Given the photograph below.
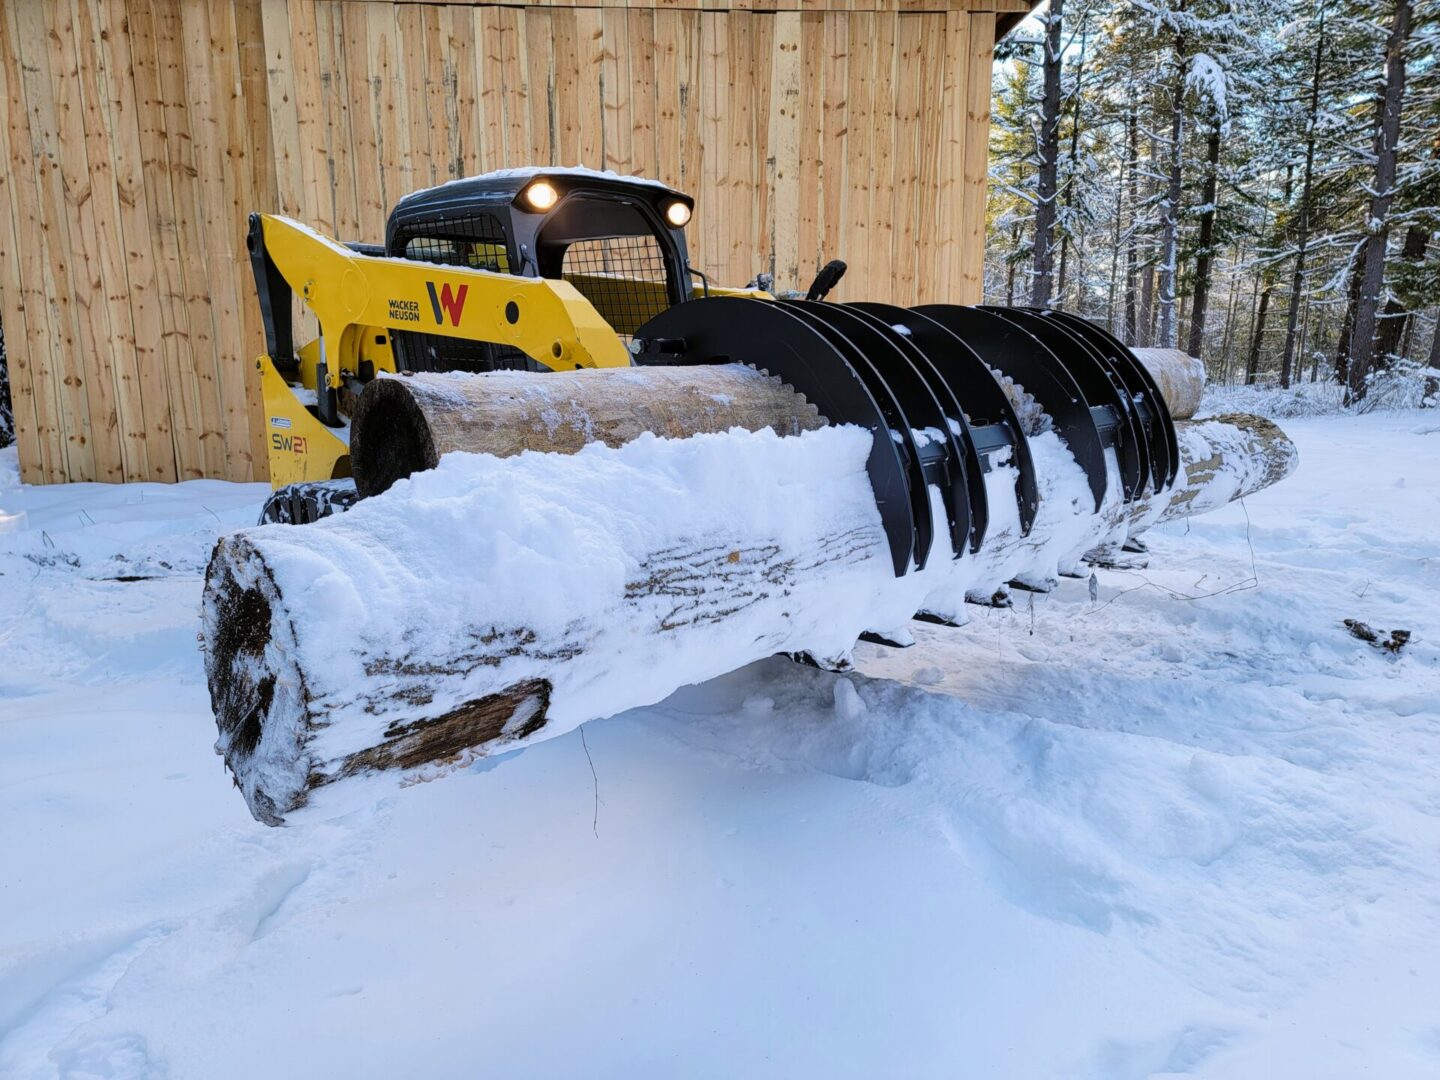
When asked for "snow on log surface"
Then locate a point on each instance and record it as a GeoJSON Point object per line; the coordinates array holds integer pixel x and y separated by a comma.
{"type": "Point", "coordinates": [492, 601]}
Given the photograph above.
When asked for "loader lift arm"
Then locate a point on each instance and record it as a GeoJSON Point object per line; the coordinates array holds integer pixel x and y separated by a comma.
{"type": "Point", "coordinates": [359, 297]}
{"type": "Point", "coordinates": [547, 319]}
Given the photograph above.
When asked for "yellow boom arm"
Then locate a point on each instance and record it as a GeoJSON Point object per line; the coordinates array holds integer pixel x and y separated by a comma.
{"type": "Point", "coordinates": [358, 299]}
{"type": "Point", "coordinates": [547, 320]}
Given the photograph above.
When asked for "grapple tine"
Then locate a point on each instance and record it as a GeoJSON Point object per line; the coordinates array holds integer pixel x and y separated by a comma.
{"type": "Point", "coordinates": [965, 466]}
{"type": "Point", "coordinates": [943, 465]}
{"type": "Point", "coordinates": [900, 428]}
{"type": "Point", "coordinates": [1155, 418]}
{"type": "Point", "coordinates": [1013, 351]}
{"type": "Point", "coordinates": [986, 414]}
{"type": "Point", "coordinates": [1103, 391]}
{"type": "Point", "coordinates": [927, 383]}
{"type": "Point", "coordinates": [782, 341]}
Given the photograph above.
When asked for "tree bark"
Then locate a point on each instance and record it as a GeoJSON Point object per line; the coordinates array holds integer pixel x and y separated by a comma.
{"type": "Point", "coordinates": [1396, 318]}
{"type": "Point", "coordinates": [1170, 217]}
{"type": "Point", "coordinates": [1302, 232]}
{"type": "Point", "coordinates": [1300, 349]}
{"type": "Point", "coordinates": [1132, 146]}
{"type": "Point", "coordinates": [1387, 135]}
{"type": "Point", "coordinates": [1144, 336]}
{"type": "Point", "coordinates": [1114, 278]}
{"type": "Point", "coordinates": [1042, 287]}
{"type": "Point", "coordinates": [1252, 363]}
{"type": "Point", "coordinates": [1347, 321]}
{"type": "Point", "coordinates": [415, 698]}
{"type": "Point", "coordinates": [1010, 275]}
{"type": "Point", "coordinates": [1227, 337]}
{"type": "Point", "coordinates": [1074, 165]}
{"type": "Point", "coordinates": [1226, 458]}
{"type": "Point", "coordinates": [1204, 256]}
{"type": "Point", "coordinates": [403, 425]}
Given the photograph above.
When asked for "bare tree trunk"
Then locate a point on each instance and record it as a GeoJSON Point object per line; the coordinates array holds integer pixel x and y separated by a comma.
{"type": "Point", "coordinates": [1114, 255]}
{"type": "Point", "coordinates": [1315, 352]}
{"type": "Point", "coordinates": [1387, 135]}
{"type": "Point", "coordinates": [1396, 318]}
{"type": "Point", "coordinates": [1347, 321]}
{"type": "Point", "coordinates": [1132, 124]}
{"type": "Point", "coordinates": [1252, 364]}
{"type": "Point", "coordinates": [1302, 235]}
{"type": "Point", "coordinates": [1300, 349]}
{"type": "Point", "coordinates": [1074, 168]}
{"type": "Point", "coordinates": [1435, 342]}
{"type": "Point", "coordinates": [1170, 215]}
{"type": "Point", "coordinates": [405, 425]}
{"type": "Point", "coordinates": [1227, 338]}
{"type": "Point", "coordinates": [1145, 334]}
{"type": "Point", "coordinates": [445, 668]}
{"type": "Point", "coordinates": [1204, 256]}
{"type": "Point", "coordinates": [1042, 288]}
{"type": "Point", "coordinates": [1010, 275]}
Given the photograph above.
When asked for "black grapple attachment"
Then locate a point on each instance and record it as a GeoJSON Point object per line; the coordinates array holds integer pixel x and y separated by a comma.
{"type": "Point", "coordinates": [929, 382]}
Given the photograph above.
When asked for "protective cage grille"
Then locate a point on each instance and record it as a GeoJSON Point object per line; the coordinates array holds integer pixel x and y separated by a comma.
{"type": "Point", "coordinates": [477, 242]}
{"type": "Point", "coordinates": [623, 276]}
{"type": "Point", "coordinates": [432, 352]}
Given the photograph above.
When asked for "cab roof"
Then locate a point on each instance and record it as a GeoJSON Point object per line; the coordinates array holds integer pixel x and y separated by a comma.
{"type": "Point", "coordinates": [503, 185]}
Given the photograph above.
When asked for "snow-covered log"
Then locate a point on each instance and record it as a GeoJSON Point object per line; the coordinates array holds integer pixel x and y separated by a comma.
{"type": "Point", "coordinates": [1225, 458]}
{"type": "Point", "coordinates": [493, 601]}
{"type": "Point", "coordinates": [403, 425]}
{"type": "Point", "coordinates": [1180, 376]}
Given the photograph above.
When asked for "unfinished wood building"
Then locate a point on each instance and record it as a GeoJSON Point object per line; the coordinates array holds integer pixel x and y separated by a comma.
{"type": "Point", "coordinates": [139, 134]}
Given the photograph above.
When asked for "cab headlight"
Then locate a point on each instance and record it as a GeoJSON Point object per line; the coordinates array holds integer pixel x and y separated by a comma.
{"type": "Point", "coordinates": [541, 195]}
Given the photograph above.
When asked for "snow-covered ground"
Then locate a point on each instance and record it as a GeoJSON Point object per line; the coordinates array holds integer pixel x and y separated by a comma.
{"type": "Point", "coordinates": [1192, 827]}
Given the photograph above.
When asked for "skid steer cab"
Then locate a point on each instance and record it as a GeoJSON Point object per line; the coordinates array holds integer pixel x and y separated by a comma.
{"type": "Point", "coordinates": [524, 269]}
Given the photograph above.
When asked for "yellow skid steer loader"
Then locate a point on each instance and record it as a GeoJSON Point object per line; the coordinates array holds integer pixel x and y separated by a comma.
{"type": "Point", "coordinates": [524, 269]}
{"type": "Point", "coordinates": [1005, 446]}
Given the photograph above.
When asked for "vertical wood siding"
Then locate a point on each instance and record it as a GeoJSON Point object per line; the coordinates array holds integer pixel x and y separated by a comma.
{"type": "Point", "coordinates": [137, 135]}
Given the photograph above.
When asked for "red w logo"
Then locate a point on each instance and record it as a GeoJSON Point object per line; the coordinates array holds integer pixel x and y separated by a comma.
{"type": "Point", "coordinates": [452, 303]}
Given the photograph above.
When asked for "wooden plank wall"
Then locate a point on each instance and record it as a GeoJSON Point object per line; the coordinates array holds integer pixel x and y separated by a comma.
{"type": "Point", "coordinates": [138, 134]}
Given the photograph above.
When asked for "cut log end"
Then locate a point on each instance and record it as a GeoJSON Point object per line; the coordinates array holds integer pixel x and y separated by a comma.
{"type": "Point", "coordinates": [1180, 377]}
{"type": "Point", "coordinates": [390, 437]}
{"type": "Point", "coordinates": [268, 722]}
{"type": "Point", "coordinates": [255, 687]}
